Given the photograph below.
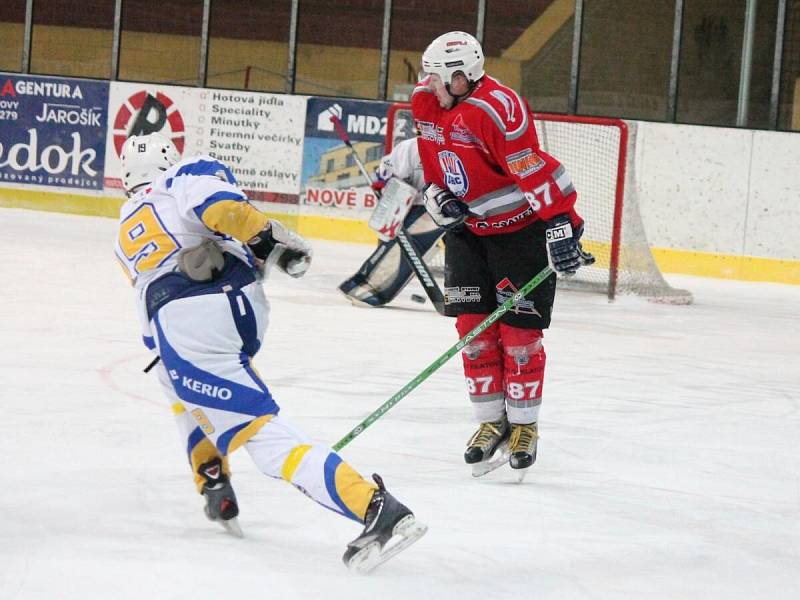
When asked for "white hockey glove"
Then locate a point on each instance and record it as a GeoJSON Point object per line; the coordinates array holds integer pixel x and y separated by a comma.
{"type": "Point", "coordinates": [393, 205]}
{"type": "Point", "coordinates": [446, 210]}
{"type": "Point", "coordinates": [276, 245]}
{"type": "Point", "coordinates": [563, 246]}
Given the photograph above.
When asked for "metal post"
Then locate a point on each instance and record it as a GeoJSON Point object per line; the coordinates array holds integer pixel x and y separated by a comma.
{"type": "Point", "coordinates": [674, 67]}
{"type": "Point", "coordinates": [291, 72]}
{"type": "Point", "coordinates": [202, 71]}
{"type": "Point", "coordinates": [481, 25]}
{"type": "Point", "coordinates": [26, 38]}
{"type": "Point", "coordinates": [383, 77]}
{"type": "Point", "coordinates": [747, 64]}
{"type": "Point", "coordinates": [777, 63]}
{"type": "Point", "coordinates": [575, 69]}
{"type": "Point", "coordinates": [116, 40]}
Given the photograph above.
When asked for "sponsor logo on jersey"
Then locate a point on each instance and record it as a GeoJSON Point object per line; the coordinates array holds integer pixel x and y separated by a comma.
{"type": "Point", "coordinates": [206, 389]}
{"type": "Point", "coordinates": [506, 290]}
{"type": "Point", "coordinates": [463, 136]}
{"type": "Point", "coordinates": [455, 175]}
{"type": "Point", "coordinates": [430, 132]}
{"type": "Point", "coordinates": [143, 113]}
{"type": "Point", "coordinates": [504, 222]}
{"type": "Point", "coordinates": [460, 295]}
{"type": "Point", "coordinates": [525, 162]}
{"type": "Point", "coordinates": [507, 102]}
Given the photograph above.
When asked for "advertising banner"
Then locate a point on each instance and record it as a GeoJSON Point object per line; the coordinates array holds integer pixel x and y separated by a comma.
{"type": "Point", "coordinates": [52, 131]}
{"type": "Point", "coordinates": [259, 136]}
{"type": "Point", "coordinates": [331, 180]}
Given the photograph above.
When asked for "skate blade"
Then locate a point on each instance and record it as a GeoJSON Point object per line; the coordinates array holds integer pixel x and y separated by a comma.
{"type": "Point", "coordinates": [520, 473]}
{"type": "Point", "coordinates": [497, 460]}
{"type": "Point", "coordinates": [232, 527]}
{"type": "Point", "coordinates": [407, 531]}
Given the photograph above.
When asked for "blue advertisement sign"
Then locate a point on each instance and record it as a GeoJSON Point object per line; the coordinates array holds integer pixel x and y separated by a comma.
{"type": "Point", "coordinates": [362, 119]}
{"type": "Point", "coordinates": [53, 131]}
{"type": "Point", "coordinates": [330, 179]}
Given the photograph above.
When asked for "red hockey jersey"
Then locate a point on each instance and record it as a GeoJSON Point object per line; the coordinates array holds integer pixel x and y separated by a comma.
{"type": "Point", "coordinates": [485, 151]}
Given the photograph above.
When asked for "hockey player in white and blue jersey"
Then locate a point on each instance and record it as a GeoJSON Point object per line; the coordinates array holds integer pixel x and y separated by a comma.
{"type": "Point", "coordinates": [196, 251]}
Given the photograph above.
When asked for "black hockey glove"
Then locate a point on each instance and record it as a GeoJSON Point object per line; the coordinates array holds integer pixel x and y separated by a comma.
{"type": "Point", "coordinates": [447, 211]}
{"type": "Point", "coordinates": [563, 246]}
{"type": "Point", "coordinates": [277, 245]}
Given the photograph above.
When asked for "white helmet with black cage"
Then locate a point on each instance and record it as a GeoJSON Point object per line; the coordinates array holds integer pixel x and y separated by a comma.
{"type": "Point", "coordinates": [453, 52]}
{"type": "Point", "coordinates": [144, 158]}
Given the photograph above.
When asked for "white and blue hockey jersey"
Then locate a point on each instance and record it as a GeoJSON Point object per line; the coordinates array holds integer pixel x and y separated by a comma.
{"type": "Point", "coordinates": [196, 199]}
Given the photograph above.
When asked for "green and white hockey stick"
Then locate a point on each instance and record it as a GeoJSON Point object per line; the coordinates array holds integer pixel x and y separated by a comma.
{"type": "Point", "coordinates": [452, 351]}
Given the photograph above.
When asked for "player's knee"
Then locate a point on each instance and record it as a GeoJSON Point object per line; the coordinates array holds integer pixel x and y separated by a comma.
{"type": "Point", "coordinates": [482, 345]}
{"type": "Point", "coordinates": [521, 345]}
{"type": "Point", "coordinates": [278, 448]}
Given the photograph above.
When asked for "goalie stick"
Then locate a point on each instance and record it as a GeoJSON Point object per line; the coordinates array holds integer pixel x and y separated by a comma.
{"type": "Point", "coordinates": [448, 354]}
{"type": "Point", "coordinates": [407, 246]}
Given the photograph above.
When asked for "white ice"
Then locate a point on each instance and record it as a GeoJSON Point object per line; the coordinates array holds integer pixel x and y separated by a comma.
{"type": "Point", "coordinates": [668, 465]}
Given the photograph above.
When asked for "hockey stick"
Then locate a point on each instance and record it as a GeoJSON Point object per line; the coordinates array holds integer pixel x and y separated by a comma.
{"type": "Point", "coordinates": [407, 246]}
{"type": "Point", "coordinates": [452, 351]}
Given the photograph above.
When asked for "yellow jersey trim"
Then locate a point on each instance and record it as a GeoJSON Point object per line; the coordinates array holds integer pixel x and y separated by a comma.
{"type": "Point", "coordinates": [247, 432]}
{"type": "Point", "coordinates": [293, 461]}
{"type": "Point", "coordinates": [236, 218]}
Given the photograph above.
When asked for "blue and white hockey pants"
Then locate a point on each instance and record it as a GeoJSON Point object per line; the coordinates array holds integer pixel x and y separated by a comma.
{"type": "Point", "coordinates": [206, 343]}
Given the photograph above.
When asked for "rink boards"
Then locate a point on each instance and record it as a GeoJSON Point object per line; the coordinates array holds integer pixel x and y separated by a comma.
{"type": "Point", "coordinates": [715, 201]}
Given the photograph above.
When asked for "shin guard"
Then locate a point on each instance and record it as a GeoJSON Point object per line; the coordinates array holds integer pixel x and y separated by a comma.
{"type": "Point", "coordinates": [524, 360]}
{"type": "Point", "coordinates": [483, 368]}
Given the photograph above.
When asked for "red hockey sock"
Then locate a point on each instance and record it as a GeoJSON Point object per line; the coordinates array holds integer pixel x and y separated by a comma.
{"type": "Point", "coordinates": [524, 360]}
{"type": "Point", "coordinates": [483, 368]}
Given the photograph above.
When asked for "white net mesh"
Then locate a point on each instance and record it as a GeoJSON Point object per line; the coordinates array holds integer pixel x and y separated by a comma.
{"type": "Point", "coordinates": [590, 151]}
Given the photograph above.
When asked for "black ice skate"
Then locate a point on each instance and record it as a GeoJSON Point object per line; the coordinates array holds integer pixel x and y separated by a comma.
{"type": "Point", "coordinates": [390, 527]}
{"type": "Point", "coordinates": [487, 449]}
{"type": "Point", "coordinates": [522, 447]}
{"type": "Point", "coordinates": [221, 503]}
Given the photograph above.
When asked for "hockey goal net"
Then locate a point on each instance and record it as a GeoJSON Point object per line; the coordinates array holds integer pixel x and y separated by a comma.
{"type": "Point", "coordinates": [599, 154]}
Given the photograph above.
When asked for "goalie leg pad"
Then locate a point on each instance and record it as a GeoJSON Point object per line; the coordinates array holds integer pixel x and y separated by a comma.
{"type": "Point", "coordinates": [386, 272]}
{"type": "Point", "coordinates": [524, 361]}
{"type": "Point", "coordinates": [483, 368]}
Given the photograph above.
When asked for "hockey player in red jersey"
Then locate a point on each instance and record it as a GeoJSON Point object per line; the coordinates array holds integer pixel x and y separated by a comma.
{"type": "Point", "coordinates": [509, 210]}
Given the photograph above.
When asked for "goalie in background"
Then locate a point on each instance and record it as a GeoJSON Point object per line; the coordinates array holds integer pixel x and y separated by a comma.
{"type": "Point", "coordinates": [386, 272]}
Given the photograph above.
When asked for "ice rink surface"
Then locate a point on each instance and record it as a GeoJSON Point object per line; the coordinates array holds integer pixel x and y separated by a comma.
{"type": "Point", "coordinates": [669, 464]}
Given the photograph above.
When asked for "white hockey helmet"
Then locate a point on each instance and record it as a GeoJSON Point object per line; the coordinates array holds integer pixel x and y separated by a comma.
{"type": "Point", "coordinates": [452, 52]}
{"type": "Point", "coordinates": [144, 157]}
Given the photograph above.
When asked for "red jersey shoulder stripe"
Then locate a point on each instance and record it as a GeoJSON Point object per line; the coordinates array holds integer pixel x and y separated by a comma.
{"type": "Point", "coordinates": [511, 102]}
